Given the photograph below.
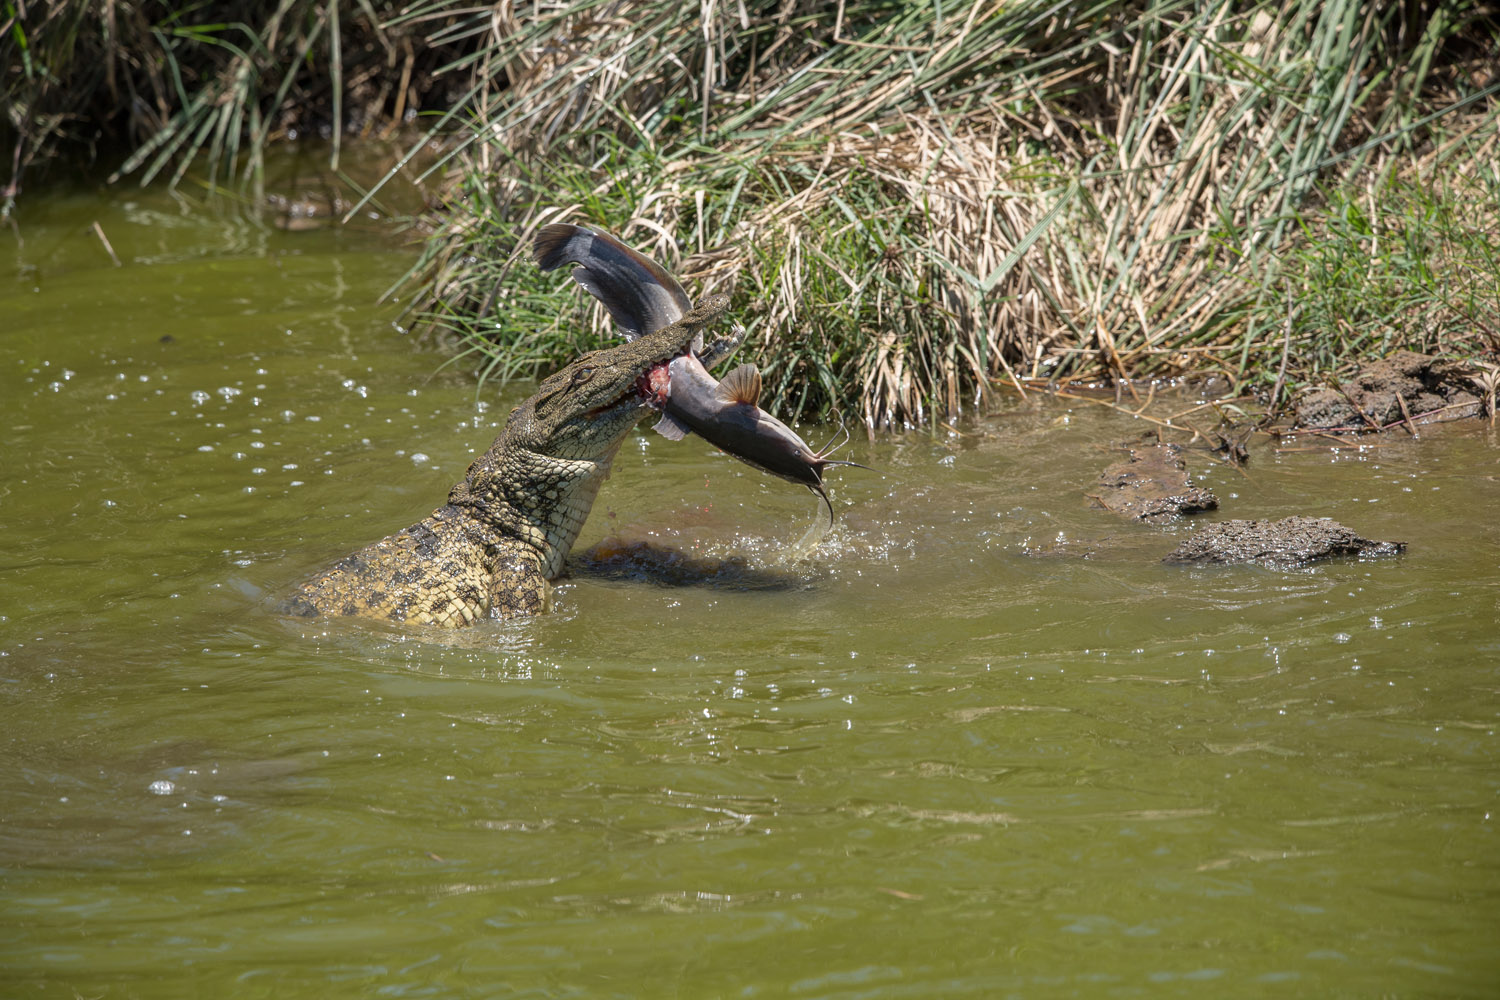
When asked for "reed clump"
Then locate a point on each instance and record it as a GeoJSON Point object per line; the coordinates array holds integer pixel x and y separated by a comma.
{"type": "Point", "coordinates": [155, 89]}
{"type": "Point", "coordinates": [916, 205]}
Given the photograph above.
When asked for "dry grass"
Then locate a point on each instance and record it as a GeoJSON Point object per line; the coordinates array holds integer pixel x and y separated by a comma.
{"type": "Point", "coordinates": [912, 211]}
{"type": "Point", "coordinates": [166, 88]}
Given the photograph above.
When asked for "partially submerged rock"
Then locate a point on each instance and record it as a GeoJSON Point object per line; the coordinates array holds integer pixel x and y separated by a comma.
{"type": "Point", "coordinates": [1152, 485]}
{"type": "Point", "coordinates": [1405, 386]}
{"type": "Point", "coordinates": [1290, 541]}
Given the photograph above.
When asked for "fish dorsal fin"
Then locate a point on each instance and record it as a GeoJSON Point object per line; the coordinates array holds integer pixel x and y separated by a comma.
{"type": "Point", "coordinates": [741, 385]}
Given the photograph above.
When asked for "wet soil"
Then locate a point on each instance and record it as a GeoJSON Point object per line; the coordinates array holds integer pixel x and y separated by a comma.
{"type": "Point", "coordinates": [1291, 541]}
{"type": "Point", "coordinates": [1152, 485]}
{"type": "Point", "coordinates": [1404, 389]}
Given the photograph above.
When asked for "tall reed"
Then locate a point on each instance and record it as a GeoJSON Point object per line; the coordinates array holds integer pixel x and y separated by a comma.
{"type": "Point", "coordinates": [915, 203]}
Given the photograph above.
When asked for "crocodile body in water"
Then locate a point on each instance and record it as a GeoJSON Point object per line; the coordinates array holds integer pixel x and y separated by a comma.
{"type": "Point", "coordinates": [507, 528]}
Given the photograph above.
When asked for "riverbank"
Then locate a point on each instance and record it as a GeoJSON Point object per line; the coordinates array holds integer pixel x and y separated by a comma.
{"type": "Point", "coordinates": [914, 212]}
{"type": "Point", "coordinates": [917, 208]}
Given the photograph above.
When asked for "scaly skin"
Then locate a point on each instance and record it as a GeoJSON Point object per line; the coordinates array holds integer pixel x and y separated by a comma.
{"type": "Point", "coordinates": [507, 528]}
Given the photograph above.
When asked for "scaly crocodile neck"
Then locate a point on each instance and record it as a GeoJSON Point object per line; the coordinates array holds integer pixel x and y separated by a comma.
{"type": "Point", "coordinates": [539, 500]}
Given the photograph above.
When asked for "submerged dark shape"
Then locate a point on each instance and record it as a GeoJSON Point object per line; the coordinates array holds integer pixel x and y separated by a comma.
{"type": "Point", "coordinates": [1152, 485]}
{"type": "Point", "coordinates": [641, 297]}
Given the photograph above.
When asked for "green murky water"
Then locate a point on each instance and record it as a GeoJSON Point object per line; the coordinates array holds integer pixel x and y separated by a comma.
{"type": "Point", "coordinates": [943, 757]}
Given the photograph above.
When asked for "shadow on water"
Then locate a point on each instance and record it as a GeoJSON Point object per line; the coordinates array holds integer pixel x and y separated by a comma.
{"type": "Point", "coordinates": [645, 561]}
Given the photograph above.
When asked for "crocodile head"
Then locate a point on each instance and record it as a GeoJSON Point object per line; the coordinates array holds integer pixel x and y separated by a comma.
{"type": "Point", "coordinates": [539, 479]}
{"type": "Point", "coordinates": [585, 409]}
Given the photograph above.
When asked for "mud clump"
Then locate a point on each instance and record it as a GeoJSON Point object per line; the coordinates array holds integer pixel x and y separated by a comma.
{"type": "Point", "coordinates": [1403, 387]}
{"type": "Point", "coordinates": [1289, 542]}
{"type": "Point", "coordinates": [1152, 485]}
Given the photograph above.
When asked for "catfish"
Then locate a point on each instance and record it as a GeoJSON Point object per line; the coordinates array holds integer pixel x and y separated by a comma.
{"type": "Point", "coordinates": [727, 415]}
{"type": "Point", "coordinates": [642, 297]}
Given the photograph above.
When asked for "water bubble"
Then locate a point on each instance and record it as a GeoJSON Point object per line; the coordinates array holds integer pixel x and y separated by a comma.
{"type": "Point", "coordinates": [161, 787]}
{"type": "Point", "coordinates": [200, 397]}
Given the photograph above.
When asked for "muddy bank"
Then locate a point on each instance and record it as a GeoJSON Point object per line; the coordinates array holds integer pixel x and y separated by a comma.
{"type": "Point", "coordinates": [1289, 542]}
{"type": "Point", "coordinates": [1151, 484]}
{"type": "Point", "coordinates": [1404, 389]}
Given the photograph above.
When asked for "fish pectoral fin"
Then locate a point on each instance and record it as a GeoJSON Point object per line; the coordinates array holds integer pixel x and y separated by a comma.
{"type": "Point", "coordinates": [671, 428]}
{"type": "Point", "coordinates": [741, 385]}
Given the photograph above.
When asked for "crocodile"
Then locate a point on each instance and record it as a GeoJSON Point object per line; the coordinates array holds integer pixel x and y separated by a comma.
{"type": "Point", "coordinates": [506, 529]}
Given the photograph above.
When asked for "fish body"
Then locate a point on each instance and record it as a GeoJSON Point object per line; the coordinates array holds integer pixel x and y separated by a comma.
{"type": "Point", "coordinates": [726, 415]}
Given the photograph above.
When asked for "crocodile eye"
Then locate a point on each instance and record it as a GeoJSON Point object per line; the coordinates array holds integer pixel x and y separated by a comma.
{"type": "Point", "coordinates": [583, 374]}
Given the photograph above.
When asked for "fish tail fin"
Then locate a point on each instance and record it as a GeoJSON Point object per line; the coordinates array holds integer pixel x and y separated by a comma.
{"type": "Point", "coordinates": [640, 296]}
{"type": "Point", "coordinates": [557, 244]}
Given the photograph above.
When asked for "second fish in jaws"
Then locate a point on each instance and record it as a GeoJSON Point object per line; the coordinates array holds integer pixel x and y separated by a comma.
{"type": "Point", "coordinates": [641, 296]}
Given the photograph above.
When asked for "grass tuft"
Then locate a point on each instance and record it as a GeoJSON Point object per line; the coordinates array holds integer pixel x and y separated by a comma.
{"type": "Point", "coordinates": [915, 205]}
